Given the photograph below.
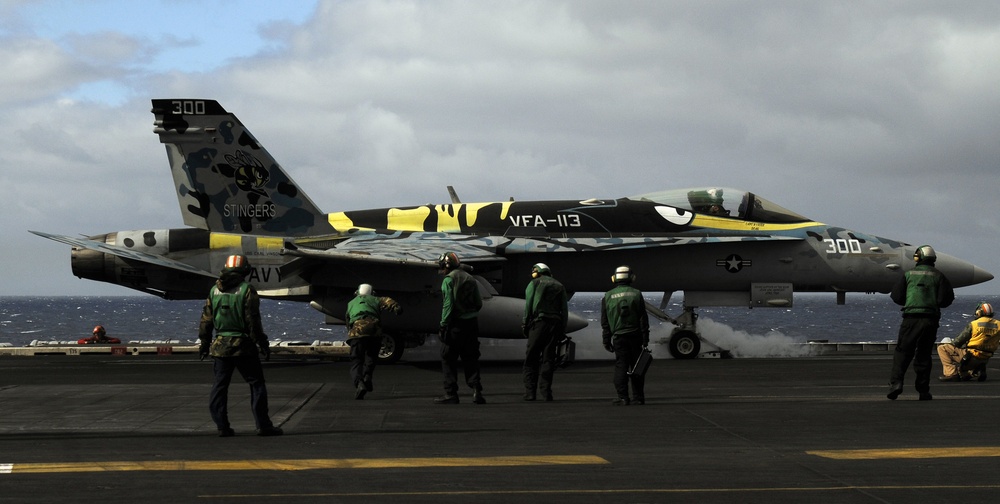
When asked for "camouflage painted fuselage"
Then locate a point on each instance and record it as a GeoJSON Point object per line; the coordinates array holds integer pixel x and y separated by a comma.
{"type": "Point", "coordinates": [718, 245]}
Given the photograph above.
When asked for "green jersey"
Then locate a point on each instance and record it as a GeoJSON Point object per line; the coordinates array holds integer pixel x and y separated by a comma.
{"type": "Point", "coordinates": [623, 311]}
{"type": "Point", "coordinates": [460, 298]}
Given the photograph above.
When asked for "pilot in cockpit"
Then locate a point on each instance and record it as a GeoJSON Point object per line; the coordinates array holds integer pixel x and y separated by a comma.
{"type": "Point", "coordinates": [717, 210]}
{"type": "Point", "coordinates": [707, 202]}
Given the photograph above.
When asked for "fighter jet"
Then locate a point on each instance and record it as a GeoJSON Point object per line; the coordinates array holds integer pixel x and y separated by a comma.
{"type": "Point", "coordinates": [719, 246]}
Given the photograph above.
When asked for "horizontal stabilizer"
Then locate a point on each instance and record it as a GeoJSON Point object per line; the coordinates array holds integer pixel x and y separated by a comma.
{"type": "Point", "coordinates": [125, 253]}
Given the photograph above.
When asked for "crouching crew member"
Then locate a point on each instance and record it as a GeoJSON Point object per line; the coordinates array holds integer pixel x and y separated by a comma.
{"type": "Point", "coordinates": [100, 336]}
{"type": "Point", "coordinates": [232, 312]}
{"type": "Point", "coordinates": [966, 356]}
{"type": "Point", "coordinates": [544, 323]}
{"type": "Point", "coordinates": [364, 335]}
{"type": "Point", "coordinates": [625, 330]}
{"type": "Point", "coordinates": [459, 334]}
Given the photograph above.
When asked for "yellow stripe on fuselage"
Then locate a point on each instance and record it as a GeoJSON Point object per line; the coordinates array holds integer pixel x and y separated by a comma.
{"type": "Point", "coordinates": [408, 220]}
{"type": "Point", "coordinates": [222, 241]}
{"type": "Point", "coordinates": [449, 217]}
{"type": "Point", "coordinates": [472, 211]}
{"type": "Point", "coordinates": [340, 221]}
{"type": "Point", "coordinates": [712, 222]}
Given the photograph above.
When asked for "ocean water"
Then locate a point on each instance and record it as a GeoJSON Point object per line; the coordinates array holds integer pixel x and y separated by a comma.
{"type": "Point", "coordinates": [746, 332]}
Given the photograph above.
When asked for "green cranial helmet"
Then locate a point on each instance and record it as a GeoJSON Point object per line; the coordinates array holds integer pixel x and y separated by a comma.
{"type": "Point", "coordinates": [925, 253]}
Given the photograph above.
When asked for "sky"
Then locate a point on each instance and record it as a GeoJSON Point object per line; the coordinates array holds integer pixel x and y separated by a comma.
{"type": "Point", "coordinates": [882, 117]}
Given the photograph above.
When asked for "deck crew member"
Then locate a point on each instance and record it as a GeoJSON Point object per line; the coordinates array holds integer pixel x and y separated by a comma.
{"type": "Point", "coordinates": [364, 334]}
{"type": "Point", "coordinates": [625, 331]}
{"type": "Point", "coordinates": [544, 323]}
{"type": "Point", "coordinates": [966, 356]}
{"type": "Point", "coordinates": [99, 336]}
{"type": "Point", "coordinates": [922, 292]}
{"type": "Point", "coordinates": [459, 332]}
{"type": "Point", "coordinates": [232, 313]}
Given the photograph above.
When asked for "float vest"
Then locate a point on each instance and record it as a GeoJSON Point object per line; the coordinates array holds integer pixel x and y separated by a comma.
{"type": "Point", "coordinates": [985, 336]}
{"type": "Point", "coordinates": [623, 306]}
{"type": "Point", "coordinates": [465, 298]}
{"type": "Point", "coordinates": [544, 297]}
{"type": "Point", "coordinates": [362, 306]}
{"type": "Point", "coordinates": [228, 311]}
{"type": "Point", "coordinates": [922, 284]}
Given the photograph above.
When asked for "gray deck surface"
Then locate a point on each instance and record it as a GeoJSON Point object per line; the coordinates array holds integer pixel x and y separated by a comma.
{"type": "Point", "coordinates": [136, 429]}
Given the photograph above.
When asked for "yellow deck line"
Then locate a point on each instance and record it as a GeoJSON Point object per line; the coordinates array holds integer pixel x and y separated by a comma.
{"type": "Point", "coordinates": [296, 464]}
{"type": "Point", "coordinates": [611, 491]}
{"type": "Point", "coordinates": [909, 453]}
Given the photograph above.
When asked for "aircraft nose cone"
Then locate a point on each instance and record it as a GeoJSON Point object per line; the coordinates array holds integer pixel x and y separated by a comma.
{"type": "Point", "coordinates": [961, 273]}
{"type": "Point", "coordinates": [576, 322]}
{"type": "Point", "coordinates": [980, 275]}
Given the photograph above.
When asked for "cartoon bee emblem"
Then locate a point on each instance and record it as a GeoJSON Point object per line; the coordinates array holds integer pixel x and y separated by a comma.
{"type": "Point", "coordinates": [250, 174]}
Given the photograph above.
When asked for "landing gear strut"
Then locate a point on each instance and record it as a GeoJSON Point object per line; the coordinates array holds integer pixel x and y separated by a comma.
{"type": "Point", "coordinates": [684, 341]}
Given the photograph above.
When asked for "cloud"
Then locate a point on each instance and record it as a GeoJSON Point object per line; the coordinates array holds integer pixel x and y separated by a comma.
{"type": "Point", "coordinates": [882, 118]}
{"type": "Point", "coordinates": [35, 69]}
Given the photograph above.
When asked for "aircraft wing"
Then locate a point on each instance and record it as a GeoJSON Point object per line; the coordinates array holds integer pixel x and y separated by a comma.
{"type": "Point", "coordinates": [423, 248]}
{"type": "Point", "coordinates": [125, 253]}
{"type": "Point", "coordinates": [402, 247]}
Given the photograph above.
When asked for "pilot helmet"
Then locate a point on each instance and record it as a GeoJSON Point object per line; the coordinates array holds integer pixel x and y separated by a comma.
{"type": "Point", "coordinates": [238, 263]}
{"type": "Point", "coordinates": [540, 269]}
{"type": "Point", "coordinates": [984, 310]}
{"type": "Point", "coordinates": [99, 331]}
{"type": "Point", "coordinates": [925, 253]}
{"type": "Point", "coordinates": [448, 261]}
{"type": "Point", "coordinates": [364, 290]}
{"type": "Point", "coordinates": [623, 274]}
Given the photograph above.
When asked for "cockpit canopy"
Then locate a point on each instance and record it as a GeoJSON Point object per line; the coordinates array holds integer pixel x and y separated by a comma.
{"type": "Point", "coordinates": [723, 202]}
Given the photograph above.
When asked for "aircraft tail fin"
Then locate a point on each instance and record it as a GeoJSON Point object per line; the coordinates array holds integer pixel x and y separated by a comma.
{"type": "Point", "coordinates": [225, 180]}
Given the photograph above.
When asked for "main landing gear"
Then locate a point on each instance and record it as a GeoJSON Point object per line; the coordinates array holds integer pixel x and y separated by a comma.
{"type": "Point", "coordinates": [684, 341]}
{"type": "Point", "coordinates": [392, 349]}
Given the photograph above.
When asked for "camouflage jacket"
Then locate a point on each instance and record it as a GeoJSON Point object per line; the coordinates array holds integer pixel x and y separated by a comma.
{"type": "Point", "coordinates": [251, 337]}
{"type": "Point", "coordinates": [364, 315]}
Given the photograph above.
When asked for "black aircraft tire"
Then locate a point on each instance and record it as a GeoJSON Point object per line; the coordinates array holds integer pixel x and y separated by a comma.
{"type": "Point", "coordinates": [685, 345]}
{"type": "Point", "coordinates": [392, 349]}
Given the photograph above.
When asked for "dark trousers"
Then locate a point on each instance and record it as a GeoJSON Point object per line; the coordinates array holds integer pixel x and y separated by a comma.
{"type": "Point", "coordinates": [915, 343]}
{"type": "Point", "coordinates": [627, 348]}
{"type": "Point", "coordinates": [364, 353]}
{"type": "Point", "coordinates": [253, 373]}
{"type": "Point", "coordinates": [540, 356]}
{"type": "Point", "coordinates": [461, 341]}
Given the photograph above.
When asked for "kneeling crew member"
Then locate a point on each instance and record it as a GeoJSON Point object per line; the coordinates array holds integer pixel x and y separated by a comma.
{"type": "Point", "coordinates": [966, 356]}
